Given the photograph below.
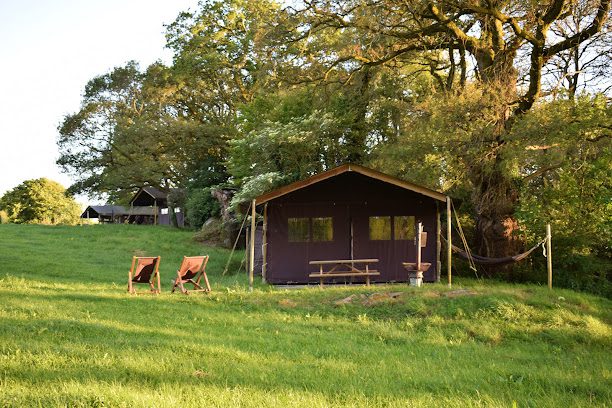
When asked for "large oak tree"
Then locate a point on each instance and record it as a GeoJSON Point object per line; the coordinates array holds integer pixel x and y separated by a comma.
{"type": "Point", "coordinates": [506, 43]}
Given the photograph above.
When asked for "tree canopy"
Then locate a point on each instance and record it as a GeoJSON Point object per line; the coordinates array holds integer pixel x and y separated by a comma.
{"type": "Point", "coordinates": [40, 201]}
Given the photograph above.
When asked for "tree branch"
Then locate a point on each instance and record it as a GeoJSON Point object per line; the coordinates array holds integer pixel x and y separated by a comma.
{"type": "Point", "coordinates": [542, 171]}
{"type": "Point", "coordinates": [553, 12]}
{"type": "Point", "coordinates": [472, 44]}
{"type": "Point", "coordinates": [505, 19]}
{"type": "Point", "coordinates": [602, 15]}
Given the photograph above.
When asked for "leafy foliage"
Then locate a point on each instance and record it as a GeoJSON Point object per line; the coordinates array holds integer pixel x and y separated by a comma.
{"type": "Point", "coordinates": [567, 183]}
{"type": "Point", "coordinates": [567, 156]}
{"type": "Point", "coordinates": [39, 201]}
{"type": "Point", "coordinates": [130, 133]}
{"type": "Point", "coordinates": [201, 206]}
{"type": "Point", "coordinates": [257, 185]}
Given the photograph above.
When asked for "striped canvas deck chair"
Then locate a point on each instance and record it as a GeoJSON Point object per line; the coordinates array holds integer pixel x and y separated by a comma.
{"type": "Point", "coordinates": [144, 270]}
{"type": "Point", "coordinates": [192, 269]}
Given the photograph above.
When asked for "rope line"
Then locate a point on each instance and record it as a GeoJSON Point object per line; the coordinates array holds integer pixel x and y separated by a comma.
{"type": "Point", "coordinates": [496, 261]}
{"type": "Point", "coordinates": [236, 243]}
{"type": "Point", "coordinates": [464, 241]}
{"type": "Point", "coordinates": [473, 259]}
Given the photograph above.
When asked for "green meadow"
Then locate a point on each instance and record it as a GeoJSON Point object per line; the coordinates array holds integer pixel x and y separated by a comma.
{"type": "Point", "coordinates": [70, 335]}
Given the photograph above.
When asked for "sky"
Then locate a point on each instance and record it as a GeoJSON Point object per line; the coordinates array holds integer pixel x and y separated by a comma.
{"type": "Point", "coordinates": [49, 49]}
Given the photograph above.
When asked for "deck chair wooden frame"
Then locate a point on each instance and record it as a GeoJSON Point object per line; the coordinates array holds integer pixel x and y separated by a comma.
{"type": "Point", "coordinates": [192, 269]}
{"type": "Point", "coordinates": [143, 275]}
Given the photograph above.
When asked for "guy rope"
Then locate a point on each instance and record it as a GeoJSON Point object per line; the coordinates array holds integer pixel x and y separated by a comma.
{"type": "Point", "coordinates": [246, 216]}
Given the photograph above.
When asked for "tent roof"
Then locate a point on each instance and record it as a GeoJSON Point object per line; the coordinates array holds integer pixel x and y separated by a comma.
{"type": "Point", "coordinates": [153, 192]}
{"type": "Point", "coordinates": [105, 210]}
{"type": "Point", "coordinates": [345, 168]}
{"type": "Point", "coordinates": [111, 210]}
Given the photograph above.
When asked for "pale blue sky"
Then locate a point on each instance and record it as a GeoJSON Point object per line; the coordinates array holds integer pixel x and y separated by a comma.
{"type": "Point", "coordinates": [49, 49]}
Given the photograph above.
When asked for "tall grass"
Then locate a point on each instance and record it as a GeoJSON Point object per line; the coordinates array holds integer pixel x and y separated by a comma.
{"type": "Point", "coordinates": [70, 335]}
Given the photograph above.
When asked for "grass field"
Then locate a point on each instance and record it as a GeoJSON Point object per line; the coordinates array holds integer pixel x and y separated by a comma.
{"type": "Point", "coordinates": [70, 335]}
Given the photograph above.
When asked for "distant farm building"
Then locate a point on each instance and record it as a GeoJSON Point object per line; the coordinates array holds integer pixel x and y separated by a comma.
{"type": "Point", "coordinates": [157, 203]}
{"type": "Point", "coordinates": [114, 214]}
{"type": "Point", "coordinates": [148, 206]}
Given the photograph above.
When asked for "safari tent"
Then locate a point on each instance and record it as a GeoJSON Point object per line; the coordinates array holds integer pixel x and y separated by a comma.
{"type": "Point", "coordinates": [349, 212]}
{"type": "Point", "coordinates": [150, 206]}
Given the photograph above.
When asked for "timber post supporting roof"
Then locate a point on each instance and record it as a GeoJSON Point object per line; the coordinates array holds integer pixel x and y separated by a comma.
{"type": "Point", "coordinates": [345, 168]}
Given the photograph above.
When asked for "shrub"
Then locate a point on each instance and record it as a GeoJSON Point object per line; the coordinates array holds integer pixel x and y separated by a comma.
{"type": "Point", "coordinates": [201, 206]}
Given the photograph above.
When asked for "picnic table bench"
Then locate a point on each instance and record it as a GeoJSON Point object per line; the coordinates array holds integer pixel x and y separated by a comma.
{"type": "Point", "coordinates": [344, 268]}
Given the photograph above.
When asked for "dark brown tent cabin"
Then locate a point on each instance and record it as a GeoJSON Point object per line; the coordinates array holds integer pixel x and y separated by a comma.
{"type": "Point", "coordinates": [350, 212]}
{"type": "Point", "coordinates": [150, 206]}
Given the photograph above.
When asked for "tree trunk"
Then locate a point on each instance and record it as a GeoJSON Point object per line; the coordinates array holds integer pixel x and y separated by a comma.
{"type": "Point", "coordinates": [496, 193]}
{"type": "Point", "coordinates": [229, 221]}
{"type": "Point", "coordinates": [495, 198]}
{"type": "Point", "coordinates": [173, 218]}
{"type": "Point", "coordinates": [357, 135]}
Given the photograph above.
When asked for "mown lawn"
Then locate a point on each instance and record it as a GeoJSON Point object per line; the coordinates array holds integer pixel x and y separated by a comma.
{"type": "Point", "coordinates": [70, 335]}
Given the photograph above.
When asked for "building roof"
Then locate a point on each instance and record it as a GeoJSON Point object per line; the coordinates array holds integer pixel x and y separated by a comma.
{"type": "Point", "coordinates": [350, 168]}
{"type": "Point", "coordinates": [149, 196]}
{"type": "Point", "coordinates": [117, 210]}
{"type": "Point", "coordinates": [106, 210]}
{"type": "Point", "coordinates": [156, 194]}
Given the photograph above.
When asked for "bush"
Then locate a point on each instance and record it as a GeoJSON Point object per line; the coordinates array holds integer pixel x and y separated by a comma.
{"type": "Point", "coordinates": [580, 272]}
{"type": "Point", "coordinates": [213, 233]}
{"type": "Point", "coordinates": [4, 218]}
{"type": "Point", "coordinates": [201, 206]}
{"type": "Point", "coordinates": [586, 273]}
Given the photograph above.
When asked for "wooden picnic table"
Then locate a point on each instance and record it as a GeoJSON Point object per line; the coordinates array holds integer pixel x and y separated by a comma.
{"type": "Point", "coordinates": [344, 268]}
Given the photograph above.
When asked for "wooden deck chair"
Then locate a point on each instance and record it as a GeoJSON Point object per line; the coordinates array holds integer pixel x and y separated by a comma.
{"type": "Point", "coordinates": [192, 269]}
{"type": "Point", "coordinates": [145, 269]}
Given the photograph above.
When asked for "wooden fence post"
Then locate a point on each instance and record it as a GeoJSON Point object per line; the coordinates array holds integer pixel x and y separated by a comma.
{"type": "Point", "coordinates": [549, 255]}
{"type": "Point", "coordinates": [449, 251]}
{"type": "Point", "coordinates": [438, 244]}
{"type": "Point", "coordinates": [418, 245]}
{"type": "Point", "coordinates": [252, 247]}
{"type": "Point", "coordinates": [264, 245]}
